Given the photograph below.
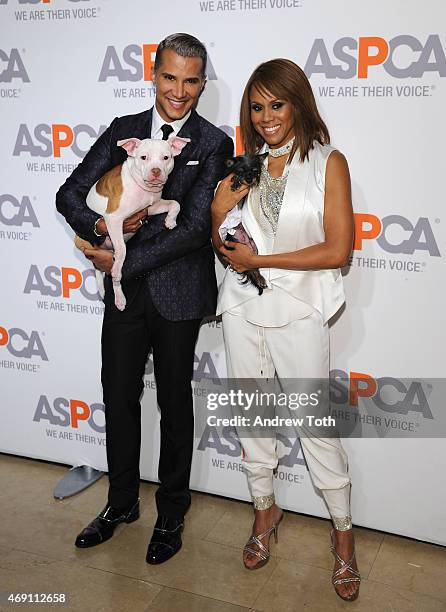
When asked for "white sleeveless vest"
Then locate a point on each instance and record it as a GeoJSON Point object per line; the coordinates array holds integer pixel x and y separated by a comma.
{"type": "Point", "coordinates": [300, 225]}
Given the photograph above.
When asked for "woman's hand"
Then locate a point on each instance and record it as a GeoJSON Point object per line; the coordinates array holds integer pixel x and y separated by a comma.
{"type": "Point", "coordinates": [240, 257]}
{"type": "Point", "coordinates": [225, 199]}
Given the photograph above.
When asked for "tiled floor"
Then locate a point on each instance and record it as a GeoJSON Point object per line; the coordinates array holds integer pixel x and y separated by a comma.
{"type": "Point", "coordinates": [37, 556]}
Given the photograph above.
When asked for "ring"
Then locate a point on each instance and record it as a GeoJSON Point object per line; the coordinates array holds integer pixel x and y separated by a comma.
{"type": "Point", "coordinates": [141, 222]}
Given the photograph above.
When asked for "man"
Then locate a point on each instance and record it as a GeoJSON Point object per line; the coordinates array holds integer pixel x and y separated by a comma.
{"type": "Point", "coordinates": [169, 282]}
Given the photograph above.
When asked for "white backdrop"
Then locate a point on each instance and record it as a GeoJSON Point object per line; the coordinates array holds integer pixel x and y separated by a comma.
{"type": "Point", "coordinates": [68, 67]}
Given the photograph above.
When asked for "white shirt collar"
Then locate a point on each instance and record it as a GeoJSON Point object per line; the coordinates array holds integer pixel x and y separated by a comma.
{"type": "Point", "coordinates": [158, 121]}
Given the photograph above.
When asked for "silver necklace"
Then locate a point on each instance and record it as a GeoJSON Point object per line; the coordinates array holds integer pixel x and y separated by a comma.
{"type": "Point", "coordinates": [271, 192]}
{"type": "Point", "coordinates": [282, 150]}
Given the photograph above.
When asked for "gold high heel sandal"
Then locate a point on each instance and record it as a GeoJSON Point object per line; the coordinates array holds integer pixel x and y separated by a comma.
{"type": "Point", "coordinates": [262, 552]}
{"type": "Point", "coordinates": [346, 566]}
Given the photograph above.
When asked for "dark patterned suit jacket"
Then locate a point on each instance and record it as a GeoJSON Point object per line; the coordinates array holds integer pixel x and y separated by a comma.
{"type": "Point", "coordinates": [177, 264]}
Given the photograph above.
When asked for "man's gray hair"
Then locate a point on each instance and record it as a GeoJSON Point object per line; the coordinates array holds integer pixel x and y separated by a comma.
{"type": "Point", "coordinates": [185, 45]}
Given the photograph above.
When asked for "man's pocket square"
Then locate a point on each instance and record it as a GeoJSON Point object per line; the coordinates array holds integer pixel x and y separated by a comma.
{"type": "Point", "coordinates": [192, 162]}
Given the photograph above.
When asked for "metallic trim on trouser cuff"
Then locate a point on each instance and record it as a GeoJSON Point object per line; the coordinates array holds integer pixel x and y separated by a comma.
{"type": "Point", "coordinates": [264, 502]}
{"type": "Point", "coordinates": [342, 523]}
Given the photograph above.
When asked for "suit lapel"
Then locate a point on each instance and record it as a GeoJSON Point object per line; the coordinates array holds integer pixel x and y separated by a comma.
{"type": "Point", "coordinates": [288, 227]}
{"type": "Point", "coordinates": [251, 224]}
{"type": "Point", "coordinates": [292, 210]}
{"type": "Point", "coordinates": [191, 129]}
{"type": "Point", "coordinates": [145, 126]}
{"type": "Point", "coordinates": [292, 207]}
{"type": "Point", "coordinates": [248, 218]}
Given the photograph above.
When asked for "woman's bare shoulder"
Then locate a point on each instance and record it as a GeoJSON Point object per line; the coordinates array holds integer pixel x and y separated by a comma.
{"type": "Point", "coordinates": [336, 163]}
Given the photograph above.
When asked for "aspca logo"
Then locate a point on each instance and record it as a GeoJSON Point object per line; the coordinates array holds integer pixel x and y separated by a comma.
{"type": "Point", "coordinates": [15, 212]}
{"type": "Point", "coordinates": [12, 67]}
{"type": "Point", "coordinates": [135, 63]}
{"type": "Point", "coordinates": [49, 140]}
{"type": "Point", "coordinates": [392, 395]}
{"type": "Point", "coordinates": [20, 343]}
{"type": "Point", "coordinates": [226, 444]}
{"type": "Point", "coordinates": [395, 234]}
{"type": "Point", "coordinates": [204, 368]}
{"type": "Point", "coordinates": [62, 282]}
{"type": "Point", "coordinates": [402, 57]}
{"type": "Point", "coordinates": [70, 412]}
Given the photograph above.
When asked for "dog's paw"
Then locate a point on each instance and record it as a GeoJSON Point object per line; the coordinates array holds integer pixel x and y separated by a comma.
{"type": "Point", "coordinates": [120, 300]}
{"type": "Point", "coordinates": [116, 272]}
{"type": "Point", "coordinates": [120, 303]}
{"type": "Point", "coordinates": [170, 223]}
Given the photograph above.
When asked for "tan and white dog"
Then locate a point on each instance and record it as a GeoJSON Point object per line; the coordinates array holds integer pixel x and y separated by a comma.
{"type": "Point", "coordinates": [128, 188]}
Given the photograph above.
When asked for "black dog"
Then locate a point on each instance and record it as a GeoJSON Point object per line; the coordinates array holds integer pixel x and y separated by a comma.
{"type": "Point", "coordinates": [246, 169]}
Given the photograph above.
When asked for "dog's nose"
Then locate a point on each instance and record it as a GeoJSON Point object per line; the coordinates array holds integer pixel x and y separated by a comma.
{"type": "Point", "coordinates": [156, 171]}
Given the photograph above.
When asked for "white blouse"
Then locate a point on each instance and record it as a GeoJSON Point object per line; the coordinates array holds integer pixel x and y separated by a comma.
{"type": "Point", "coordinates": [290, 294]}
{"type": "Point", "coordinates": [266, 309]}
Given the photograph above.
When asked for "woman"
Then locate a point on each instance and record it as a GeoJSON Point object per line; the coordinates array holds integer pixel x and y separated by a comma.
{"type": "Point", "coordinates": [301, 219]}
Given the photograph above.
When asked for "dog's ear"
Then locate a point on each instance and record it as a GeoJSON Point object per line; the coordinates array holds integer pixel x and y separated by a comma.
{"type": "Point", "coordinates": [177, 144]}
{"type": "Point", "coordinates": [130, 145]}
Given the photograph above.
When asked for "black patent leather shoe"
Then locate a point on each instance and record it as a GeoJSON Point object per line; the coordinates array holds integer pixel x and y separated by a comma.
{"type": "Point", "coordinates": [102, 527]}
{"type": "Point", "coordinates": [166, 540]}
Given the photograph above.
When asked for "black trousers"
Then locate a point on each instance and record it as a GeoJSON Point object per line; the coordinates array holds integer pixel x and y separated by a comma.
{"type": "Point", "coordinates": [127, 338]}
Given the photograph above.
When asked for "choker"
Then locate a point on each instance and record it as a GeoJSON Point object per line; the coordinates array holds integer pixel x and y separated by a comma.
{"type": "Point", "coordinates": [282, 150]}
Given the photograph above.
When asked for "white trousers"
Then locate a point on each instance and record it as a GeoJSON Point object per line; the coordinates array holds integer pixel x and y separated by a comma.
{"type": "Point", "coordinates": [299, 349]}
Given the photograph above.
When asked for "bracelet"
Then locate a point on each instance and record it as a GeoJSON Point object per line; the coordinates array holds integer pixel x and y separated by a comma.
{"type": "Point", "coordinates": [95, 227]}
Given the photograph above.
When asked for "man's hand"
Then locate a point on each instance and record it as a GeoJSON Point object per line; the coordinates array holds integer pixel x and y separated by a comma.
{"type": "Point", "coordinates": [131, 225]}
{"type": "Point", "coordinates": [100, 258]}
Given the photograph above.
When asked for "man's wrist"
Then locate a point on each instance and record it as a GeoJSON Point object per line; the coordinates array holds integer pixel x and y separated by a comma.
{"type": "Point", "coordinates": [95, 230]}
